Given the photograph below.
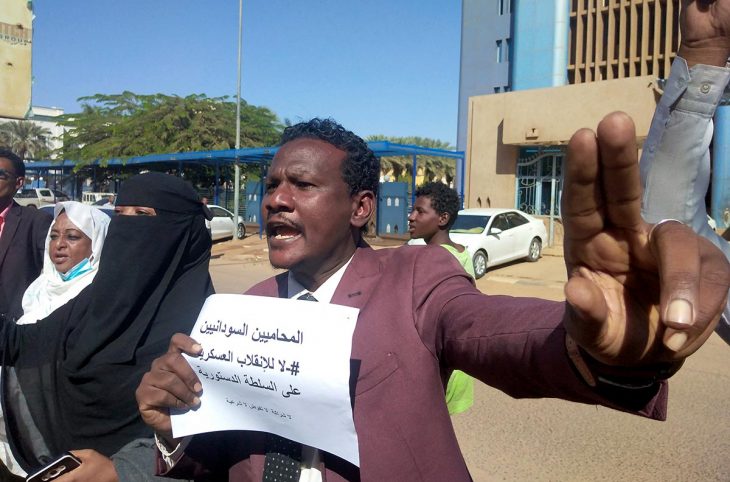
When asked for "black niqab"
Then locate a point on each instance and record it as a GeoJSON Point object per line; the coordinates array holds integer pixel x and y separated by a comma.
{"type": "Point", "coordinates": [74, 373]}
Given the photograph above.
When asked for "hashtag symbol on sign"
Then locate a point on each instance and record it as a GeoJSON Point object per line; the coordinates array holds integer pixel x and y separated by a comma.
{"type": "Point", "coordinates": [294, 368]}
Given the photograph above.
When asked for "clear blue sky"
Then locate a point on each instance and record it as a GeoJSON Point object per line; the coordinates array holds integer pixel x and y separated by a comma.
{"type": "Point", "coordinates": [377, 66]}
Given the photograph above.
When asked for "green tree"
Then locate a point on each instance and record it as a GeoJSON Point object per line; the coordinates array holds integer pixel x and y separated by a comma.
{"type": "Point", "coordinates": [434, 168]}
{"type": "Point", "coordinates": [128, 124]}
{"type": "Point", "coordinates": [26, 139]}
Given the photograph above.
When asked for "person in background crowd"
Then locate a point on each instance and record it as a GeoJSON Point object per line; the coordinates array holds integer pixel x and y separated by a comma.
{"type": "Point", "coordinates": [77, 393]}
{"type": "Point", "coordinates": [22, 235]}
{"type": "Point", "coordinates": [675, 161]}
{"type": "Point", "coordinates": [73, 248]}
{"type": "Point", "coordinates": [434, 212]}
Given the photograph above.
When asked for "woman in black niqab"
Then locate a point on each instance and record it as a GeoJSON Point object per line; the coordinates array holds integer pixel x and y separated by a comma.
{"type": "Point", "coordinates": [70, 379]}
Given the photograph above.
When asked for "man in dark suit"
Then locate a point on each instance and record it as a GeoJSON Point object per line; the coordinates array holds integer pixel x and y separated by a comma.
{"type": "Point", "coordinates": [622, 332]}
{"type": "Point", "coordinates": [22, 238]}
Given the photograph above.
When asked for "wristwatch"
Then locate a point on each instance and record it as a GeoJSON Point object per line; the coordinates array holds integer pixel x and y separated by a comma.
{"type": "Point", "coordinates": [596, 374]}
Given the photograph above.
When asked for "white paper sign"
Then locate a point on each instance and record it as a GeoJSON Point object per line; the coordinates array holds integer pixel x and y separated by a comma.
{"type": "Point", "coordinates": [275, 365]}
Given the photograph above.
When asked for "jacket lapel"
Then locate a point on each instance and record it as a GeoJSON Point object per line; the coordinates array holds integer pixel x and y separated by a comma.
{"type": "Point", "coordinates": [359, 280]}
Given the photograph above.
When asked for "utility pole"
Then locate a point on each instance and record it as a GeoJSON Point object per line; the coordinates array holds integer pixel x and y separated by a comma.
{"type": "Point", "coordinates": [237, 173]}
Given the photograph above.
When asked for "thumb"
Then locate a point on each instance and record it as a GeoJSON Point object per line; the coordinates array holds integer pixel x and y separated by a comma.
{"type": "Point", "coordinates": [587, 311]}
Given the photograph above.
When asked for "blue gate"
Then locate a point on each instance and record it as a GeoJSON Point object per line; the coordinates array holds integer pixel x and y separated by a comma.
{"type": "Point", "coordinates": [253, 201]}
{"type": "Point", "coordinates": [393, 208]}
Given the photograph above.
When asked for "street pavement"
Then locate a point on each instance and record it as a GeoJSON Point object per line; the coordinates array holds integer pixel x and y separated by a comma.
{"type": "Point", "coordinates": [552, 440]}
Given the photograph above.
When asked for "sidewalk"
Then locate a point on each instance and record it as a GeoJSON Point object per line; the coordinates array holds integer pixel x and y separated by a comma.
{"type": "Point", "coordinates": [548, 272]}
{"type": "Point", "coordinates": [256, 247]}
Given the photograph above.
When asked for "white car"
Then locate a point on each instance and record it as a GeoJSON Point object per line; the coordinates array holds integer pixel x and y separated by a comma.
{"type": "Point", "coordinates": [221, 226]}
{"type": "Point", "coordinates": [35, 197]}
{"type": "Point", "coordinates": [496, 236]}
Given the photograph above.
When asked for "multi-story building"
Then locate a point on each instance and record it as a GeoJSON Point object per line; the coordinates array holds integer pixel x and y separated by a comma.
{"type": "Point", "coordinates": [46, 118]}
{"type": "Point", "coordinates": [535, 71]}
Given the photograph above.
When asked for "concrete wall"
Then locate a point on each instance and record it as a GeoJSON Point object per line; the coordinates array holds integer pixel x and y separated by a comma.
{"type": "Point", "coordinates": [500, 123]}
{"type": "Point", "coordinates": [552, 115]}
{"type": "Point", "coordinates": [490, 163]}
{"type": "Point", "coordinates": [480, 73]}
{"type": "Point", "coordinates": [533, 44]}
{"type": "Point", "coordinates": [16, 37]}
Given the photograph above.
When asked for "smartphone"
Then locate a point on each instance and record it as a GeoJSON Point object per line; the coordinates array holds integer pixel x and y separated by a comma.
{"type": "Point", "coordinates": [62, 465]}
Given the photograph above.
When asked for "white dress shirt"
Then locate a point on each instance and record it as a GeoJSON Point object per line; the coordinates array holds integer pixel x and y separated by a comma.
{"type": "Point", "coordinates": [675, 162]}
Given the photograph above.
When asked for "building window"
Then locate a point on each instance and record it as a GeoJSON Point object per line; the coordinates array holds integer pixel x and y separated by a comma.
{"type": "Point", "coordinates": [504, 6]}
{"type": "Point", "coordinates": [499, 51]}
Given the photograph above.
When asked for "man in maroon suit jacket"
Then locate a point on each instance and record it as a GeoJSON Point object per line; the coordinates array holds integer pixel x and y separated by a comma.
{"type": "Point", "coordinates": [421, 316]}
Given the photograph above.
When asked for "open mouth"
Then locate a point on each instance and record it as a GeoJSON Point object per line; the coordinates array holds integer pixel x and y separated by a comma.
{"type": "Point", "coordinates": [282, 232]}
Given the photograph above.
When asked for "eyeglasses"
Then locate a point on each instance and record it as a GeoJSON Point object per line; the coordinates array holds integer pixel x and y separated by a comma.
{"type": "Point", "coordinates": [5, 174]}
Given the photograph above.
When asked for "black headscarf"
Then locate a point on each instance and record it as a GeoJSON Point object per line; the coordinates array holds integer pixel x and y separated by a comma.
{"type": "Point", "coordinates": [74, 374]}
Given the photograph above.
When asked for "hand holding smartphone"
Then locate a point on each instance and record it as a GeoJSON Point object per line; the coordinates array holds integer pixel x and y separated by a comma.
{"type": "Point", "coordinates": [62, 465]}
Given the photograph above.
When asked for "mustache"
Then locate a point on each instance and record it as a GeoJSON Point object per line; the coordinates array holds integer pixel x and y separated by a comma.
{"type": "Point", "coordinates": [282, 221]}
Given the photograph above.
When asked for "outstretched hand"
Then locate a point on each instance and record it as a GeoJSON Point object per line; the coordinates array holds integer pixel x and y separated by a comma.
{"type": "Point", "coordinates": [638, 294]}
{"type": "Point", "coordinates": [705, 26]}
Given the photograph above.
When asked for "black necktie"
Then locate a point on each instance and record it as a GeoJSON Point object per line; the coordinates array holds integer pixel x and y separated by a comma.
{"type": "Point", "coordinates": [283, 456]}
{"type": "Point", "coordinates": [307, 297]}
{"type": "Point", "coordinates": [282, 462]}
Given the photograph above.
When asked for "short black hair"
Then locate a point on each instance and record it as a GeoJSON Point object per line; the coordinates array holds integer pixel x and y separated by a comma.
{"type": "Point", "coordinates": [360, 170]}
{"type": "Point", "coordinates": [17, 162]}
{"type": "Point", "coordinates": [443, 199]}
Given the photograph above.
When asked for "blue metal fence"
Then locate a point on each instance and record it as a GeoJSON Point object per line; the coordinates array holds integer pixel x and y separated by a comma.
{"type": "Point", "coordinates": [393, 208]}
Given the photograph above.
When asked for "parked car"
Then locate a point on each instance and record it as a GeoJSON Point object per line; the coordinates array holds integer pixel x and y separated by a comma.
{"type": "Point", "coordinates": [35, 197]}
{"type": "Point", "coordinates": [109, 211]}
{"type": "Point", "coordinates": [60, 196]}
{"type": "Point", "coordinates": [94, 197]}
{"type": "Point", "coordinates": [221, 226]}
{"type": "Point", "coordinates": [496, 236]}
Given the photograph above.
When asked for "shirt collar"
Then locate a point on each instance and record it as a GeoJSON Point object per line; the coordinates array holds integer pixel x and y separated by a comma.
{"type": "Point", "coordinates": [4, 212]}
{"type": "Point", "coordinates": [325, 292]}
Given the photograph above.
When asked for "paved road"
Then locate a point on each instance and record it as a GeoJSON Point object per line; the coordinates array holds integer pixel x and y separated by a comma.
{"type": "Point", "coordinates": [552, 440]}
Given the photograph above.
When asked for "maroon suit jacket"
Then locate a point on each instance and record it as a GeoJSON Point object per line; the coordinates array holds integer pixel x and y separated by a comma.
{"type": "Point", "coordinates": [420, 317]}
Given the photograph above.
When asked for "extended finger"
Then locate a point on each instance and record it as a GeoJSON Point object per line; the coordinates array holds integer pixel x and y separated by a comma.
{"type": "Point", "coordinates": [714, 288]}
{"type": "Point", "coordinates": [182, 343]}
{"type": "Point", "coordinates": [173, 373]}
{"type": "Point", "coordinates": [581, 199]}
{"type": "Point", "coordinates": [620, 170]}
{"type": "Point", "coordinates": [152, 396]}
{"type": "Point", "coordinates": [587, 313]}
